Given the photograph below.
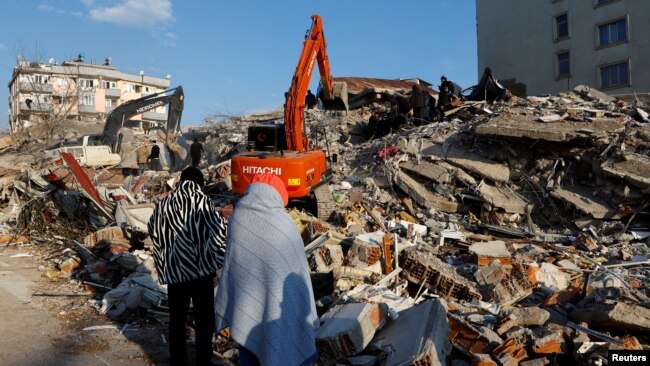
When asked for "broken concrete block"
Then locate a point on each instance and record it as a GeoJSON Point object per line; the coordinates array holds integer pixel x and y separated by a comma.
{"type": "Point", "coordinates": [548, 342]}
{"type": "Point", "coordinates": [522, 317]}
{"type": "Point", "coordinates": [510, 352]}
{"type": "Point", "coordinates": [423, 196]}
{"type": "Point", "coordinates": [491, 274]}
{"type": "Point", "coordinates": [502, 197]}
{"type": "Point", "coordinates": [612, 314]}
{"type": "Point", "coordinates": [525, 126]}
{"type": "Point", "coordinates": [325, 258]}
{"type": "Point", "coordinates": [346, 277]}
{"type": "Point", "coordinates": [431, 170]}
{"type": "Point", "coordinates": [582, 199]}
{"type": "Point", "coordinates": [511, 288]}
{"type": "Point", "coordinates": [420, 265]}
{"type": "Point", "coordinates": [348, 329]}
{"type": "Point", "coordinates": [634, 169]}
{"type": "Point", "coordinates": [365, 250]}
{"type": "Point", "coordinates": [486, 252]}
{"type": "Point", "coordinates": [420, 335]}
{"type": "Point", "coordinates": [552, 277]}
{"type": "Point", "coordinates": [483, 359]}
{"type": "Point", "coordinates": [470, 161]}
{"type": "Point", "coordinates": [469, 338]}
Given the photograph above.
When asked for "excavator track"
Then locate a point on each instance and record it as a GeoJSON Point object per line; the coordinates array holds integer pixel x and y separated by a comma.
{"type": "Point", "coordinates": [325, 205]}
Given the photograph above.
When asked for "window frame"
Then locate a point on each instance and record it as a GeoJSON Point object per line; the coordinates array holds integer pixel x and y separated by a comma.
{"type": "Point", "coordinates": [85, 98]}
{"type": "Point", "coordinates": [610, 65]}
{"type": "Point", "coordinates": [556, 30]}
{"type": "Point", "coordinates": [557, 65]}
{"type": "Point", "coordinates": [598, 3]}
{"type": "Point", "coordinates": [86, 83]}
{"type": "Point", "coordinates": [614, 21]}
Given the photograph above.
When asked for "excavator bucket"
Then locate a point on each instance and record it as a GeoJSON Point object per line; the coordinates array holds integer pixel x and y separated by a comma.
{"type": "Point", "coordinates": [339, 101]}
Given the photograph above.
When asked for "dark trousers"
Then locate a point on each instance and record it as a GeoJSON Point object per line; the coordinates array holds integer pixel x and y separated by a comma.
{"type": "Point", "coordinates": [196, 160]}
{"type": "Point", "coordinates": [201, 291]}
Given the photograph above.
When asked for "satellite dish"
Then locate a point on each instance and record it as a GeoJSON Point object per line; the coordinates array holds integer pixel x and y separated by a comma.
{"type": "Point", "coordinates": [51, 60]}
{"type": "Point", "coordinates": [169, 76]}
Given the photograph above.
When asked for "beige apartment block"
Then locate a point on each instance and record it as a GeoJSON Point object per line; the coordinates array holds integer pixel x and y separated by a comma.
{"type": "Point", "coordinates": [50, 92]}
{"type": "Point", "coordinates": [550, 46]}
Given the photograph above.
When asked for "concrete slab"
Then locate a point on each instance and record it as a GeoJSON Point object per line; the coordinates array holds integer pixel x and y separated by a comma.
{"type": "Point", "coordinates": [472, 162]}
{"type": "Point", "coordinates": [511, 125]}
{"type": "Point", "coordinates": [419, 336]}
{"type": "Point", "coordinates": [582, 199]}
{"type": "Point", "coordinates": [431, 170]}
{"type": "Point", "coordinates": [423, 196]}
{"type": "Point", "coordinates": [635, 169]}
{"type": "Point", "coordinates": [502, 197]}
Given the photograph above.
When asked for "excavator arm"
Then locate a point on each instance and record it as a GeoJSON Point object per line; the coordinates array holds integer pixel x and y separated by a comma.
{"type": "Point", "coordinates": [314, 49]}
{"type": "Point", "coordinates": [112, 134]}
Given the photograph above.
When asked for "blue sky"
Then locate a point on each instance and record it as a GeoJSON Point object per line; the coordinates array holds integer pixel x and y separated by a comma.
{"type": "Point", "coordinates": [235, 57]}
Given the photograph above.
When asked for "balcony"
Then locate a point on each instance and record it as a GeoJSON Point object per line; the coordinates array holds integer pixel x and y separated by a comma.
{"type": "Point", "coordinates": [35, 107]}
{"type": "Point", "coordinates": [109, 109]}
{"type": "Point", "coordinates": [87, 108]}
{"type": "Point", "coordinates": [113, 93]}
{"type": "Point", "coordinates": [27, 87]}
{"type": "Point", "coordinates": [155, 116]}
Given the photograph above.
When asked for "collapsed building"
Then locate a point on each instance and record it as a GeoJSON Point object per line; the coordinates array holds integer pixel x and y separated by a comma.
{"type": "Point", "coordinates": [516, 233]}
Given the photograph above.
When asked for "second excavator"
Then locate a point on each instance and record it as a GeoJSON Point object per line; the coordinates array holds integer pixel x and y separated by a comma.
{"type": "Point", "coordinates": [283, 149]}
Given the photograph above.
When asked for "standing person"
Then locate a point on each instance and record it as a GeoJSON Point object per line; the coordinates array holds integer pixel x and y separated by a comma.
{"type": "Point", "coordinates": [195, 152]}
{"type": "Point", "coordinates": [142, 155]}
{"type": "Point", "coordinates": [265, 294]}
{"type": "Point", "coordinates": [154, 157]}
{"type": "Point", "coordinates": [188, 235]}
{"type": "Point", "coordinates": [420, 102]}
{"type": "Point", "coordinates": [444, 98]}
{"type": "Point", "coordinates": [310, 100]}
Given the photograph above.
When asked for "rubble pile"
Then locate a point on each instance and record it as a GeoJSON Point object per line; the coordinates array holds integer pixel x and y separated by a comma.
{"type": "Point", "coordinates": [515, 233]}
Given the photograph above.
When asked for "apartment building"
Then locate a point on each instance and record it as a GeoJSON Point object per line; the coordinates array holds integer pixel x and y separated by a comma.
{"type": "Point", "coordinates": [550, 46]}
{"type": "Point", "coordinates": [76, 90]}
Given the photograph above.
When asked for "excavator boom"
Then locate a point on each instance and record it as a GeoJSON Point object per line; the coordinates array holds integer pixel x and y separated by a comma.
{"type": "Point", "coordinates": [112, 134]}
{"type": "Point", "coordinates": [314, 49]}
{"type": "Point", "coordinates": [303, 169]}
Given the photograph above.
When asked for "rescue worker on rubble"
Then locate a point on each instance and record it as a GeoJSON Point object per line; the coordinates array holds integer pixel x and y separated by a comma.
{"type": "Point", "coordinates": [265, 294]}
{"type": "Point", "coordinates": [420, 103]}
{"type": "Point", "coordinates": [189, 244]}
{"type": "Point", "coordinates": [154, 157]}
{"type": "Point", "coordinates": [195, 152]}
{"type": "Point", "coordinates": [310, 100]}
{"type": "Point", "coordinates": [142, 155]}
{"type": "Point", "coordinates": [444, 98]}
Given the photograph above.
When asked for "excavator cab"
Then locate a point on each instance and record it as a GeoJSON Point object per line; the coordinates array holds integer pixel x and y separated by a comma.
{"type": "Point", "coordinates": [283, 149]}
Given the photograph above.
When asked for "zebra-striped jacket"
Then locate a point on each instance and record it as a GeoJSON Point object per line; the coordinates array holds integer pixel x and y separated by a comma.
{"type": "Point", "coordinates": [188, 235]}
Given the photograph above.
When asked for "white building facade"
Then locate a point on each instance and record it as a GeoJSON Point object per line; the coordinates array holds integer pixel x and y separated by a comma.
{"type": "Point", "coordinates": [41, 92]}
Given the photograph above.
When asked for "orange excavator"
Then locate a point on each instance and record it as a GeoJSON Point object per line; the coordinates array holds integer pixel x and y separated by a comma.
{"type": "Point", "coordinates": [283, 149]}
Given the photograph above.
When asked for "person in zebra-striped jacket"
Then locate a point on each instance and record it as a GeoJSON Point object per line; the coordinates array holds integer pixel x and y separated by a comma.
{"type": "Point", "coordinates": [189, 244]}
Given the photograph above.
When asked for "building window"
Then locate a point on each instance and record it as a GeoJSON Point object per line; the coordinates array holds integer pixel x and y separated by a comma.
{"type": "Point", "coordinates": [612, 32]}
{"type": "Point", "coordinates": [563, 64]}
{"type": "Point", "coordinates": [109, 85]}
{"type": "Point", "coordinates": [87, 99]}
{"type": "Point", "coordinates": [614, 75]}
{"type": "Point", "coordinates": [110, 103]}
{"type": "Point", "coordinates": [86, 83]}
{"type": "Point", "coordinates": [130, 88]}
{"type": "Point", "coordinates": [561, 26]}
{"type": "Point", "coordinates": [40, 79]}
